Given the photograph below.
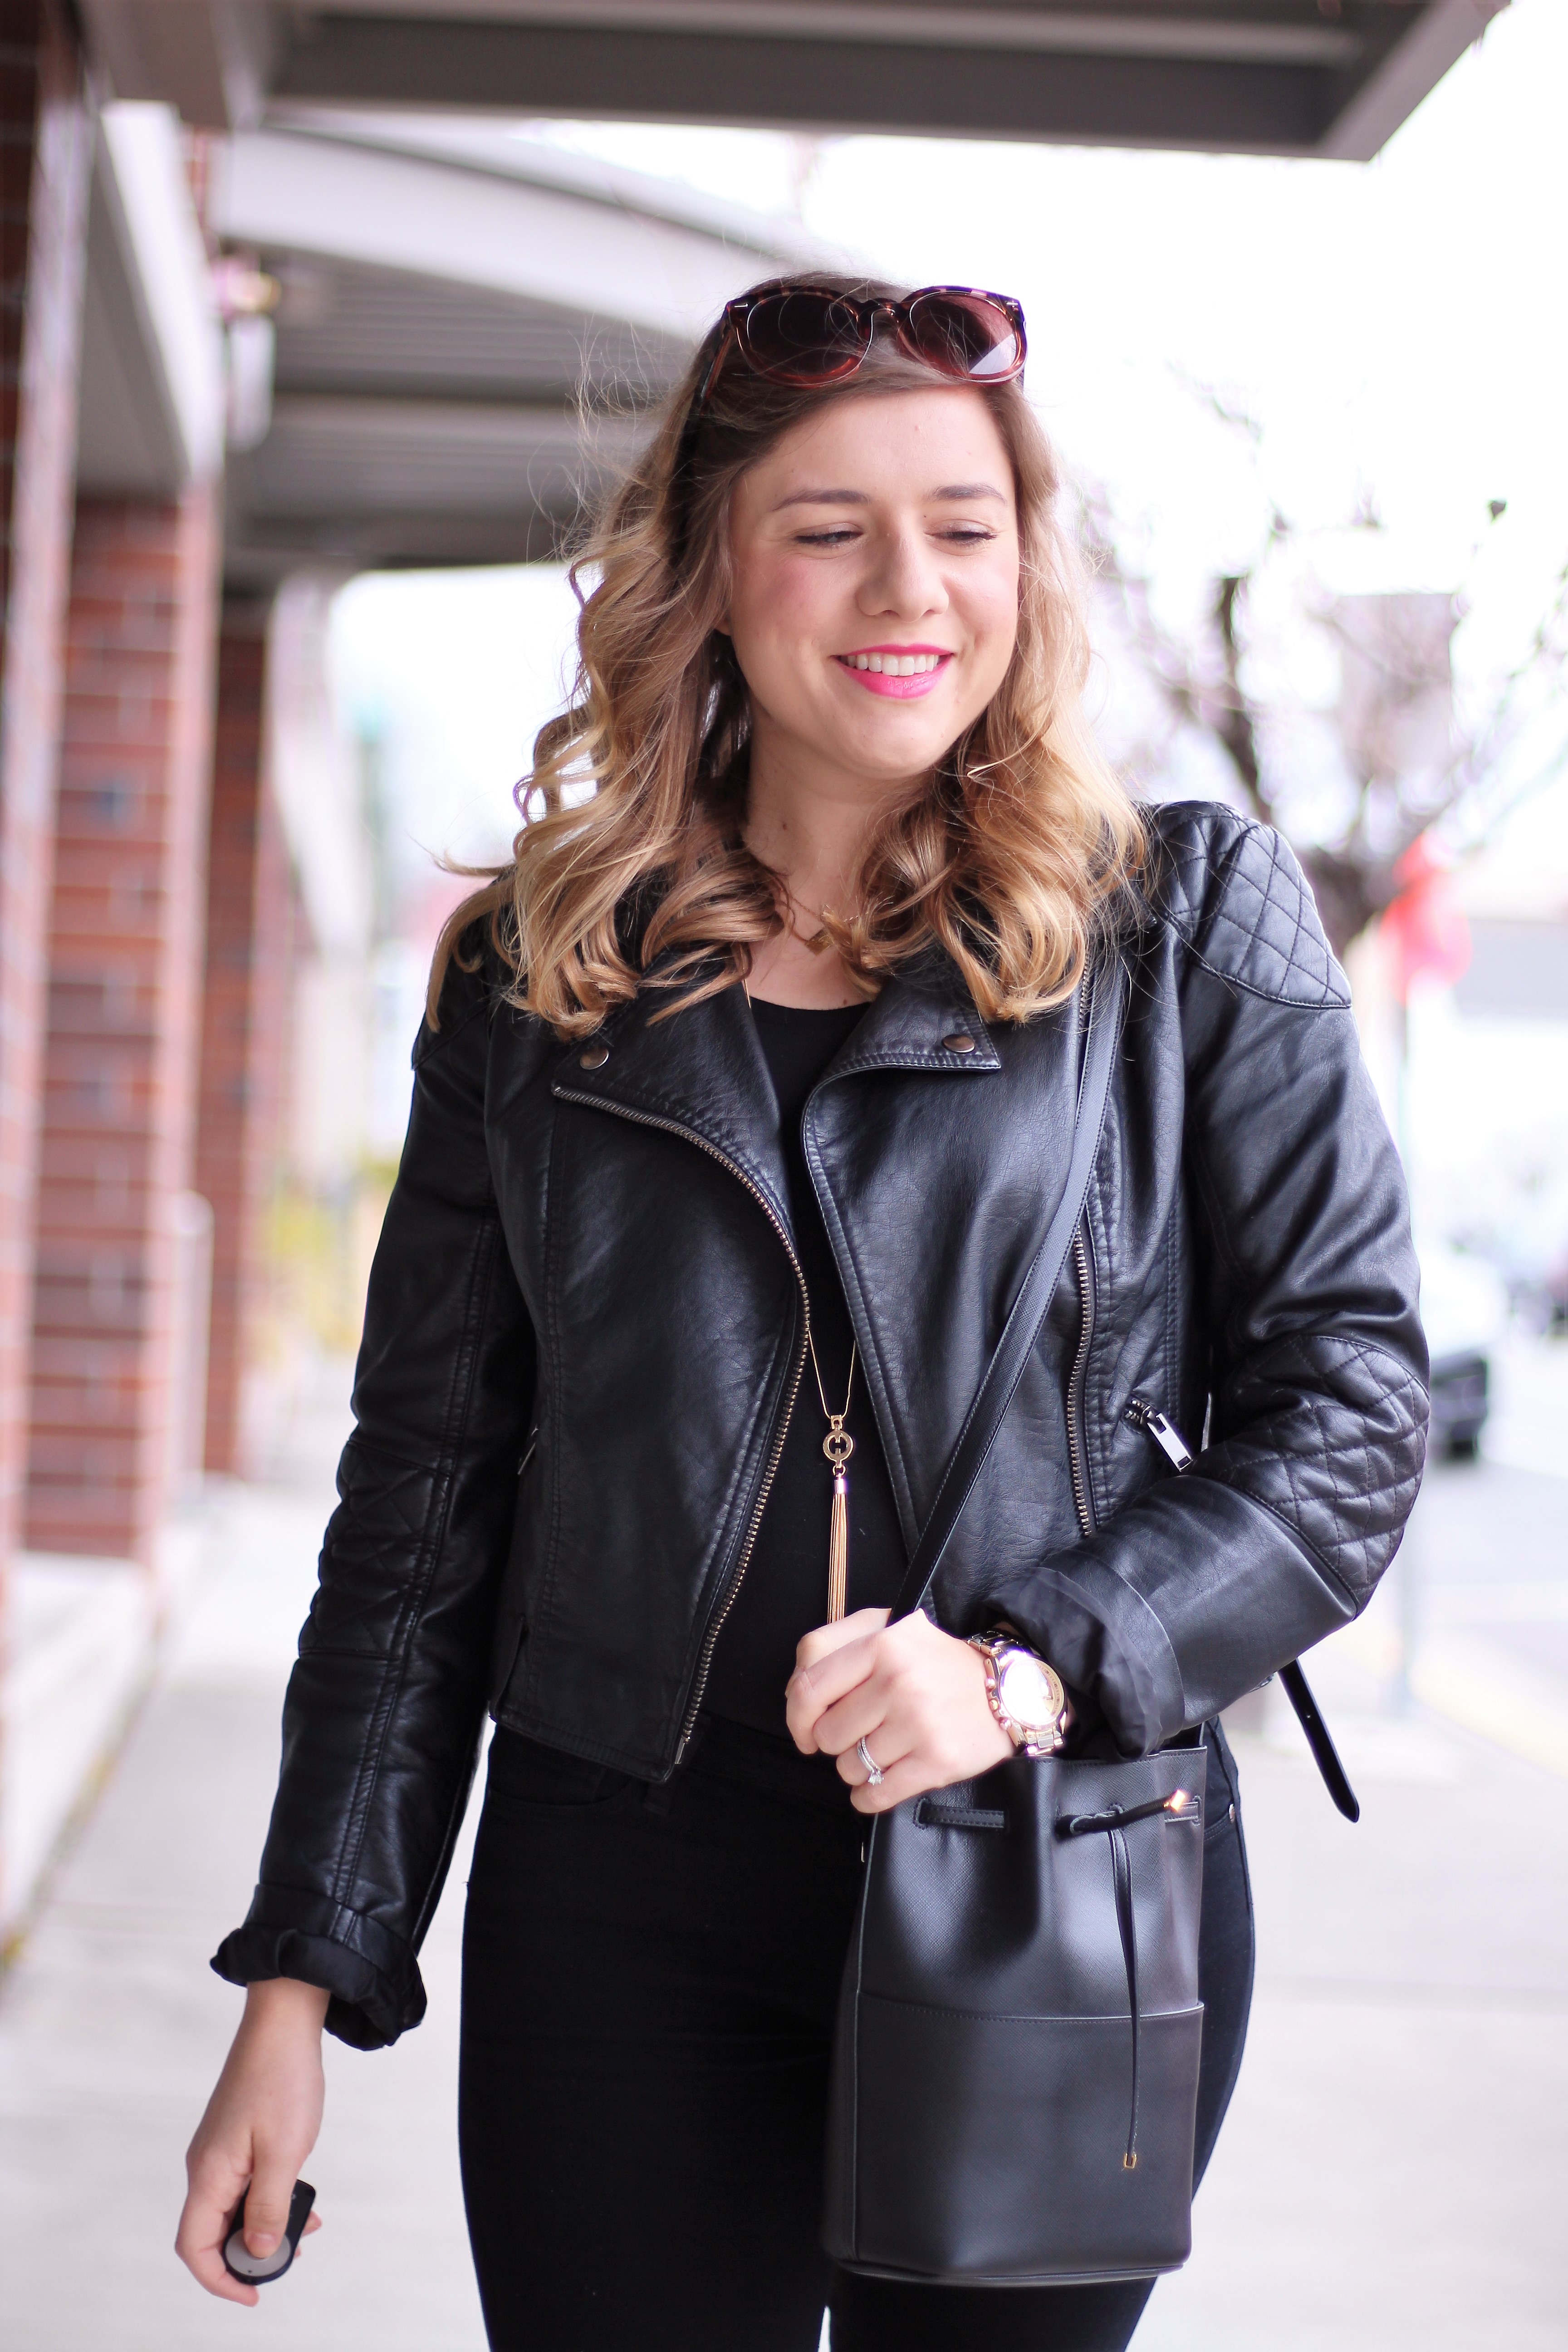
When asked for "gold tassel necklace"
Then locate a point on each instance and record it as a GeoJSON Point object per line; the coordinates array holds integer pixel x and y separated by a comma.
{"type": "Point", "coordinates": [839, 1445]}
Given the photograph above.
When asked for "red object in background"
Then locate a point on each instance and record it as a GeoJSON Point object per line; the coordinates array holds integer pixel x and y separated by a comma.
{"type": "Point", "coordinates": [1426, 929]}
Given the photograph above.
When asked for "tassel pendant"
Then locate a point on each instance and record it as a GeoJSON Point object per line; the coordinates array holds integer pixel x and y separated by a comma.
{"type": "Point", "coordinates": [839, 1445]}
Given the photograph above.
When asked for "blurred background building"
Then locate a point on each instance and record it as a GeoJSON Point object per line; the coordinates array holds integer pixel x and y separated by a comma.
{"type": "Point", "coordinates": [287, 299]}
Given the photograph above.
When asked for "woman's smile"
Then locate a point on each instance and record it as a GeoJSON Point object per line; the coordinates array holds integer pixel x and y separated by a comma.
{"type": "Point", "coordinates": [900, 671]}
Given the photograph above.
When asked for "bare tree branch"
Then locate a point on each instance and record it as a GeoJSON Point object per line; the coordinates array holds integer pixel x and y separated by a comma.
{"type": "Point", "coordinates": [1201, 681]}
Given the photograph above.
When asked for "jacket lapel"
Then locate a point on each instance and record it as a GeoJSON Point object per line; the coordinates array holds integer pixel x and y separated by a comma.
{"type": "Point", "coordinates": [699, 1071]}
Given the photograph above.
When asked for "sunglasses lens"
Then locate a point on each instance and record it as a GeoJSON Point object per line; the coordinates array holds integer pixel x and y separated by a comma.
{"type": "Point", "coordinates": [964, 335]}
{"type": "Point", "coordinates": [804, 338]}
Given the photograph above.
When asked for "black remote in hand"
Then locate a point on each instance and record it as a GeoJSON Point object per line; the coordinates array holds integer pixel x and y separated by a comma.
{"type": "Point", "coordinates": [259, 2270]}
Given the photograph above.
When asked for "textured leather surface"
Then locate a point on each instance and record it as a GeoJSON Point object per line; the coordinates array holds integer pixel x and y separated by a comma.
{"type": "Point", "coordinates": [1004, 2167]}
{"type": "Point", "coordinates": [982, 2064]}
{"type": "Point", "coordinates": [592, 1254]}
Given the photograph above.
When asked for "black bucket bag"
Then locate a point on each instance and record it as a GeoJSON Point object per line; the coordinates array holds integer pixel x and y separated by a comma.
{"type": "Point", "coordinates": [1016, 2067]}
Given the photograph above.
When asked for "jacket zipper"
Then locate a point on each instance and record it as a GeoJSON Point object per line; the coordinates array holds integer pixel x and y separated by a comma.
{"type": "Point", "coordinates": [1162, 1429]}
{"type": "Point", "coordinates": [1078, 1449]}
{"type": "Point", "coordinates": [710, 1640]}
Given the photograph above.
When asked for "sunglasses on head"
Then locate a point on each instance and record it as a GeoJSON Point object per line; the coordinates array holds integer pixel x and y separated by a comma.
{"type": "Point", "coordinates": [807, 336]}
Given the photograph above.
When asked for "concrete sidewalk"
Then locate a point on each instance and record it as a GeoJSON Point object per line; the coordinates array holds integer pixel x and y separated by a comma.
{"type": "Point", "coordinates": [1390, 2179]}
{"type": "Point", "coordinates": [112, 2027]}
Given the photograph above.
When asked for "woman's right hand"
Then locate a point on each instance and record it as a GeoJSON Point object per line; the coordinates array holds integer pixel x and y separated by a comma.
{"type": "Point", "coordinates": [259, 2126]}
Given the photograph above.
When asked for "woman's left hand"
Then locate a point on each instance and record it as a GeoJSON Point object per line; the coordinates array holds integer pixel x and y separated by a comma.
{"type": "Point", "coordinates": [915, 1696]}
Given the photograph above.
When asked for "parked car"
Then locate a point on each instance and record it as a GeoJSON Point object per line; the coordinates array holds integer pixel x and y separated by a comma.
{"type": "Point", "coordinates": [1463, 1307]}
{"type": "Point", "coordinates": [1530, 1249]}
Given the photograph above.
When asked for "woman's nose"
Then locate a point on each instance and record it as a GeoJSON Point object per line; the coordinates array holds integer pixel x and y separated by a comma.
{"type": "Point", "coordinates": [903, 578]}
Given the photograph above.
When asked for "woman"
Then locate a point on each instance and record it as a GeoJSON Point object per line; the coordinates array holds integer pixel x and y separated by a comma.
{"type": "Point", "coordinates": [743, 1100]}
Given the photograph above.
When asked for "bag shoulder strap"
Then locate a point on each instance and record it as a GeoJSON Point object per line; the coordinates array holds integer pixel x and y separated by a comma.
{"type": "Point", "coordinates": [1106, 996]}
{"type": "Point", "coordinates": [1020, 1333]}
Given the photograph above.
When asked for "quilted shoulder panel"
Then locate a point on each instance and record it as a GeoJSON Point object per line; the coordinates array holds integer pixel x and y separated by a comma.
{"type": "Point", "coordinates": [1234, 892]}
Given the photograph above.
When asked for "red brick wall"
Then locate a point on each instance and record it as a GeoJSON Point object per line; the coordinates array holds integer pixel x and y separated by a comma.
{"type": "Point", "coordinates": [125, 961]}
{"type": "Point", "coordinates": [245, 1022]}
{"type": "Point", "coordinates": [44, 163]}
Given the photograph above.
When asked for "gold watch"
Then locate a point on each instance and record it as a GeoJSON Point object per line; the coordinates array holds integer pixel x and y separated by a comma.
{"type": "Point", "coordinates": [1026, 1696]}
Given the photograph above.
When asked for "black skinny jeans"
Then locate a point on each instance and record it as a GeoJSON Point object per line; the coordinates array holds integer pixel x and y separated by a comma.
{"type": "Point", "coordinates": [649, 1980]}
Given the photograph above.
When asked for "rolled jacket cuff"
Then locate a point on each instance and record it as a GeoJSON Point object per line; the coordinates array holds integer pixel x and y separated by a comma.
{"type": "Point", "coordinates": [373, 1980]}
{"type": "Point", "coordinates": [1102, 1638]}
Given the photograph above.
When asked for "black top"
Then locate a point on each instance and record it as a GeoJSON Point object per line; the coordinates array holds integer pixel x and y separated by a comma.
{"type": "Point", "coordinates": [785, 1590]}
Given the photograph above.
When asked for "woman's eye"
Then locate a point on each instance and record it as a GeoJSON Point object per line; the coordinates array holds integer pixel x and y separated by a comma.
{"type": "Point", "coordinates": [845, 535]}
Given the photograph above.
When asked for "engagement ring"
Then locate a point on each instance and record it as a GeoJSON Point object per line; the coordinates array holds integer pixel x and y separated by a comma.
{"type": "Point", "coordinates": [874, 1772]}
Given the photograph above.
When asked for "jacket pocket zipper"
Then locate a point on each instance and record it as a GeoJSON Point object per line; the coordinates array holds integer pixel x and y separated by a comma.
{"type": "Point", "coordinates": [716, 1626]}
{"type": "Point", "coordinates": [500, 1683]}
{"type": "Point", "coordinates": [1078, 1444]}
{"type": "Point", "coordinates": [1162, 1429]}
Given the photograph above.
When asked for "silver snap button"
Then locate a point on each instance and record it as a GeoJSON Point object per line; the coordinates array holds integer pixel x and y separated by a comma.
{"type": "Point", "coordinates": [959, 1043]}
{"type": "Point", "coordinates": [592, 1057]}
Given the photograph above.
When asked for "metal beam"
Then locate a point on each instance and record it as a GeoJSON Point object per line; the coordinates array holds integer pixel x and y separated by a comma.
{"type": "Point", "coordinates": [127, 432]}
{"type": "Point", "coordinates": [843, 84]}
{"type": "Point", "coordinates": [1290, 32]}
{"type": "Point", "coordinates": [292, 191]}
{"type": "Point", "coordinates": [1437, 40]}
{"type": "Point", "coordinates": [151, 414]}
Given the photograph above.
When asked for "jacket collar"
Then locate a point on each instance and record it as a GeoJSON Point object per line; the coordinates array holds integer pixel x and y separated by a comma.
{"type": "Point", "coordinates": [702, 1073]}
{"type": "Point", "coordinates": [916, 1022]}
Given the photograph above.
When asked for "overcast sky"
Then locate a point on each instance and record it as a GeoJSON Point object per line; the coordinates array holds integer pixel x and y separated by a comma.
{"type": "Point", "coordinates": [1398, 329]}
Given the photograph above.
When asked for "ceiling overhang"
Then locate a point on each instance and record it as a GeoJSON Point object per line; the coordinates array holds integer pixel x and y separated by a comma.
{"type": "Point", "coordinates": [1329, 78]}
{"type": "Point", "coordinates": [470, 332]}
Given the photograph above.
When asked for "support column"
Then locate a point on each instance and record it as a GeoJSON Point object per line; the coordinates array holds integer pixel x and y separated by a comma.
{"type": "Point", "coordinates": [45, 154]}
{"type": "Point", "coordinates": [126, 952]}
{"type": "Point", "coordinates": [246, 1015]}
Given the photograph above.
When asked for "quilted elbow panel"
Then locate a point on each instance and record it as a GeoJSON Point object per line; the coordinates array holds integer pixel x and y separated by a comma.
{"type": "Point", "coordinates": [1341, 1439]}
{"type": "Point", "coordinates": [375, 1551]}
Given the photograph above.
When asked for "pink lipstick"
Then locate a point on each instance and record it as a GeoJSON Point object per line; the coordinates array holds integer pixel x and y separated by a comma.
{"type": "Point", "coordinates": [901, 672]}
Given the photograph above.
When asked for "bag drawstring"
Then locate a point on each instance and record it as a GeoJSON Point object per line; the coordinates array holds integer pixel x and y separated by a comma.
{"type": "Point", "coordinates": [1123, 1869]}
{"type": "Point", "coordinates": [1113, 1823]}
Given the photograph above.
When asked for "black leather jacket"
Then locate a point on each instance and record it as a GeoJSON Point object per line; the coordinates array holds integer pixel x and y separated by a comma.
{"type": "Point", "coordinates": [584, 1334]}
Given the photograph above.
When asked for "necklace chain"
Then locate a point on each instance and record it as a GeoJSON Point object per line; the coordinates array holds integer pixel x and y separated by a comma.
{"type": "Point", "coordinates": [835, 1420]}
{"type": "Point", "coordinates": [819, 940]}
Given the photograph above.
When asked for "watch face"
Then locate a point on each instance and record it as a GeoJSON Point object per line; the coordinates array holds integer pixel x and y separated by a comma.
{"type": "Point", "coordinates": [1029, 1691]}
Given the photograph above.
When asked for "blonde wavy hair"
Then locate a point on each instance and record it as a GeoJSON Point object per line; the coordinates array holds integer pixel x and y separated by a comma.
{"type": "Point", "coordinates": [630, 869]}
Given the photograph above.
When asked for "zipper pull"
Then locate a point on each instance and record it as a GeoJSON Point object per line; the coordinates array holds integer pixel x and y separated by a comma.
{"type": "Point", "coordinates": [1163, 1429]}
